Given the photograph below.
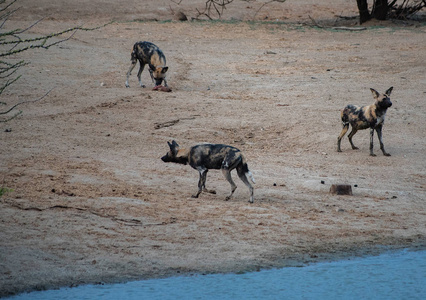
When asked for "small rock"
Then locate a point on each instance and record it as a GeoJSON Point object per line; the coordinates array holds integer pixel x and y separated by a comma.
{"type": "Point", "coordinates": [181, 16]}
{"type": "Point", "coordinates": [341, 189]}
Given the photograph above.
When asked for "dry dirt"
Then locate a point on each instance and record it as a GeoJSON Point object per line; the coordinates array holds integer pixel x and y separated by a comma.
{"type": "Point", "coordinates": [92, 201]}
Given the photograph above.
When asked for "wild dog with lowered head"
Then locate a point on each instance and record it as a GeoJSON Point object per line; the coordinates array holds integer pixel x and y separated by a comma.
{"type": "Point", "coordinates": [204, 157]}
{"type": "Point", "coordinates": [148, 53]}
{"type": "Point", "coordinates": [370, 116]}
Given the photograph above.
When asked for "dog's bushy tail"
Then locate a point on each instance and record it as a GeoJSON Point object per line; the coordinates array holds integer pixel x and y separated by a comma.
{"type": "Point", "coordinates": [345, 116]}
{"type": "Point", "coordinates": [250, 175]}
{"type": "Point", "coordinates": [133, 55]}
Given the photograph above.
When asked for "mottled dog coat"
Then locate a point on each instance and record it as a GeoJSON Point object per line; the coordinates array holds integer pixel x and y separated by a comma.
{"type": "Point", "coordinates": [363, 117]}
{"type": "Point", "coordinates": [148, 53]}
{"type": "Point", "coordinates": [212, 156]}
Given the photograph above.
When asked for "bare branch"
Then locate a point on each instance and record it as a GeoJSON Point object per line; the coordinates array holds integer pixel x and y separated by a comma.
{"type": "Point", "coordinates": [13, 43]}
{"type": "Point", "coordinates": [257, 11]}
{"type": "Point", "coordinates": [12, 117]}
{"type": "Point", "coordinates": [7, 6]}
{"type": "Point", "coordinates": [12, 37]}
{"type": "Point", "coordinates": [266, 3]}
{"type": "Point", "coordinates": [43, 39]}
{"type": "Point", "coordinates": [6, 16]}
{"type": "Point", "coordinates": [405, 9]}
{"type": "Point", "coordinates": [23, 102]}
{"type": "Point", "coordinates": [213, 7]}
{"type": "Point", "coordinates": [9, 82]}
{"type": "Point", "coordinates": [7, 67]}
{"type": "Point", "coordinates": [31, 26]}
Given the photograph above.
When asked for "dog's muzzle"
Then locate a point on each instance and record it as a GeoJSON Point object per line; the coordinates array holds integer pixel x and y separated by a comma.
{"type": "Point", "coordinates": [158, 81]}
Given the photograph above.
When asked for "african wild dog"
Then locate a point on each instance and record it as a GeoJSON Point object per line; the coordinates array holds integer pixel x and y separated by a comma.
{"type": "Point", "coordinates": [148, 53]}
{"type": "Point", "coordinates": [212, 156]}
{"type": "Point", "coordinates": [371, 116]}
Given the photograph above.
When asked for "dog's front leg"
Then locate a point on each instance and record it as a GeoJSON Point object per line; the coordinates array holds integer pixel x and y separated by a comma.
{"type": "Point", "coordinates": [141, 67]}
{"type": "Point", "coordinates": [152, 76]}
{"type": "Point", "coordinates": [201, 182]}
{"type": "Point", "coordinates": [379, 135]}
{"type": "Point", "coordinates": [371, 142]}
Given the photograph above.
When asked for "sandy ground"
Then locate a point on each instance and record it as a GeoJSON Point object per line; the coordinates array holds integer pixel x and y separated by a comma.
{"type": "Point", "coordinates": [92, 201]}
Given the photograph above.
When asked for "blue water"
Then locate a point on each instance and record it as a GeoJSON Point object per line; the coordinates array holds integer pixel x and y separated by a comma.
{"type": "Point", "coordinates": [395, 275]}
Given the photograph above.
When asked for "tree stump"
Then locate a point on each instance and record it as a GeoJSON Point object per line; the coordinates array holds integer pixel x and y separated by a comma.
{"type": "Point", "coordinates": [341, 189]}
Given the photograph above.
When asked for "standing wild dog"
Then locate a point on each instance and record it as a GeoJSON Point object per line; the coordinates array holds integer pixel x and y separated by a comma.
{"type": "Point", "coordinates": [370, 116]}
{"type": "Point", "coordinates": [148, 53]}
{"type": "Point", "coordinates": [212, 156]}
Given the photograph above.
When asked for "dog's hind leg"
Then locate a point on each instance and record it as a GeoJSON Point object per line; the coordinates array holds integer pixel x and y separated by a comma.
{"type": "Point", "coordinates": [350, 136]}
{"type": "Point", "coordinates": [379, 135]}
{"type": "Point", "coordinates": [132, 66]}
{"type": "Point", "coordinates": [371, 142]}
{"type": "Point", "coordinates": [227, 173]}
{"type": "Point", "coordinates": [341, 135]}
{"type": "Point", "coordinates": [242, 174]}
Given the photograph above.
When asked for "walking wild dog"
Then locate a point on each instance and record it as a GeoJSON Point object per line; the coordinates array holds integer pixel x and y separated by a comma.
{"type": "Point", "coordinates": [371, 116]}
{"type": "Point", "coordinates": [212, 156]}
{"type": "Point", "coordinates": [148, 53]}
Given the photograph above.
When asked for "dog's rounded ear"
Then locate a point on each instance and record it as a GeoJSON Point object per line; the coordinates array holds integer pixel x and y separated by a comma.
{"type": "Point", "coordinates": [164, 69]}
{"type": "Point", "coordinates": [389, 91]}
{"type": "Point", "coordinates": [375, 93]}
{"type": "Point", "coordinates": [152, 67]}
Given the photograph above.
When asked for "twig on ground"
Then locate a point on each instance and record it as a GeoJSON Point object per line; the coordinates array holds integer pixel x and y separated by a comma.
{"type": "Point", "coordinates": [128, 222]}
{"type": "Point", "coordinates": [334, 27]}
{"type": "Point", "coordinates": [166, 124]}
